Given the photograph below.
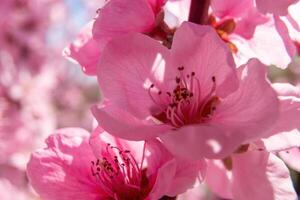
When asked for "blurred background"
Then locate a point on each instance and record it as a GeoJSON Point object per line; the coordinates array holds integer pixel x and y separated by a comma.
{"type": "Point", "coordinates": [40, 90]}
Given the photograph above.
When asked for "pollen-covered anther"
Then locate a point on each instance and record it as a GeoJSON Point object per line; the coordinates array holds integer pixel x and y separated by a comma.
{"type": "Point", "coordinates": [185, 104]}
{"type": "Point", "coordinates": [119, 173]}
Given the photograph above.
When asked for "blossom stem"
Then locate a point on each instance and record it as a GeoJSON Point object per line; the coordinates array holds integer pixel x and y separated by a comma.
{"type": "Point", "coordinates": [199, 11]}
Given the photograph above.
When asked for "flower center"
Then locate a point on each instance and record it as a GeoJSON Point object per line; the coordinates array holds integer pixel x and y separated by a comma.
{"type": "Point", "coordinates": [185, 104]}
{"type": "Point", "coordinates": [120, 176]}
{"type": "Point", "coordinates": [224, 28]}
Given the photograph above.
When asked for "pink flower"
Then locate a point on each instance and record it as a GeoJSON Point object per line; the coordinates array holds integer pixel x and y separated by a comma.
{"type": "Point", "coordinates": [191, 96]}
{"type": "Point", "coordinates": [251, 34]}
{"type": "Point", "coordinates": [109, 168]}
{"type": "Point", "coordinates": [25, 111]}
{"type": "Point", "coordinates": [116, 18]}
{"type": "Point", "coordinates": [23, 33]}
{"type": "Point", "coordinates": [254, 167]}
{"type": "Point", "coordinates": [250, 175]}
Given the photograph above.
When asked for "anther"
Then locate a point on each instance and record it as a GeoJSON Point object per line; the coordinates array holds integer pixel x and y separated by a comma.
{"type": "Point", "coordinates": [181, 68]}
{"type": "Point", "coordinates": [213, 79]}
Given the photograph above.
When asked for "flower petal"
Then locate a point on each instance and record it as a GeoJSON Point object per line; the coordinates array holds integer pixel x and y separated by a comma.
{"type": "Point", "coordinates": [127, 68]}
{"type": "Point", "coordinates": [278, 7]}
{"type": "Point", "coordinates": [291, 157]}
{"type": "Point", "coordinates": [253, 108]}
{"type": "Point", "coordinates": [257, 171]}
{"type": "Point", "coordinates": [85, 50]}
{"type": "Point", "coordinates": [64, 166]}
{"type": "Point", "coordinates": [219, 179]}
{"type": "Point", "coordinates": [123, 124]}
{"type": "Point", "coordinates": [197, 141]}
{"type": "Point", "coordinates": [285, 133]}
{"type": "Point", "coordinates": [231, 8]}
{"type": "Point", "coordinates": [186, 175]}
{"type": "Point", "coordinates": [276, 50]}
{"type": "Point", "coordinates": [119, 17]}
{"type": "Point", "coordinates": [199, 49]}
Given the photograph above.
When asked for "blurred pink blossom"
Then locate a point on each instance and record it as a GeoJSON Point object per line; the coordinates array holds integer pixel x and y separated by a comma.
{"type": "Point", "coordinates": [24, 28]}
{"type": "Point", "coordinates": [26, 112]}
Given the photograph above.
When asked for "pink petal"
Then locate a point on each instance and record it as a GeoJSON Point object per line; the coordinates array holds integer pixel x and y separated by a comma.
{"type": "Point", "coordinates": [283, 31]}
{"type": "Point", "coordinates": [85, 50]}
{"type": "Point", "coordinates": [261, 175]}
{"type": "Point", "coordinates": [219, 179]}
{"type": "Point", "coordinates": [285, 133]}
{"type": "Point", "coordinates": [253, 108]}
{"type": "Point", "coordinates": [123, 124]}
{"type": "Point", "coordinates": [156, 155]}
{"type": "Point", "coordinates": [282, 141]}
{"type": "Point", "coordinates": [246, 26]}
{"type": "Point", "coordinates": [199, 49]}
{"type": "Point", "coordinates": [127, 68]}
{"type": "Point", "coordinates": [186, 175]}
{"type": "Point", "coordinates": [278, 7]}
{"type": "Point", "coordinates": [174, 176]}
{"type": "Point", "coordinates": [119, 17]}
{"type": "Point", "coordinates": [164, 177]}
{"type": "Point", "coordinates": [291, 157]}
{"type": "Point", "coordinates": [276, 50]}
{"type": "Point", "coordinates": [64, 165]}
{"type": "Point", "coordinates": [231, 8]}
{"type": "Point", "coordinates": [210, 141]}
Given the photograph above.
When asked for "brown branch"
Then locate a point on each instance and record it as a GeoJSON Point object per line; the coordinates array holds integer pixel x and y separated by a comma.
{"type": "Point", "coordinates": [199, 11]}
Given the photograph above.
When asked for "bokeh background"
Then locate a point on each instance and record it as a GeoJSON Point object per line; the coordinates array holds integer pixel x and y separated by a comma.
{"type": "Point", "coordinates": [40, 90]}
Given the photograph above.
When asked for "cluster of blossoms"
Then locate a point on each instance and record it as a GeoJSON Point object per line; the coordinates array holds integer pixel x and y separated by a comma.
{"type": "Point", "coordinates": [29, 98]}
{"type": "Point", "coordinates": [185, 102]}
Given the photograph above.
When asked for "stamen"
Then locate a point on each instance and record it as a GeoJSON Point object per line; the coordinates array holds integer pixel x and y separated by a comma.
{"type": "Point", "coordinates": [143, 156]}
{"type": "Point", "coordinates": [150, 94]}
{"type": "Point", "coordinates": [184, 105]}
{"type": "Point", "coordinates": [119, 170]}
